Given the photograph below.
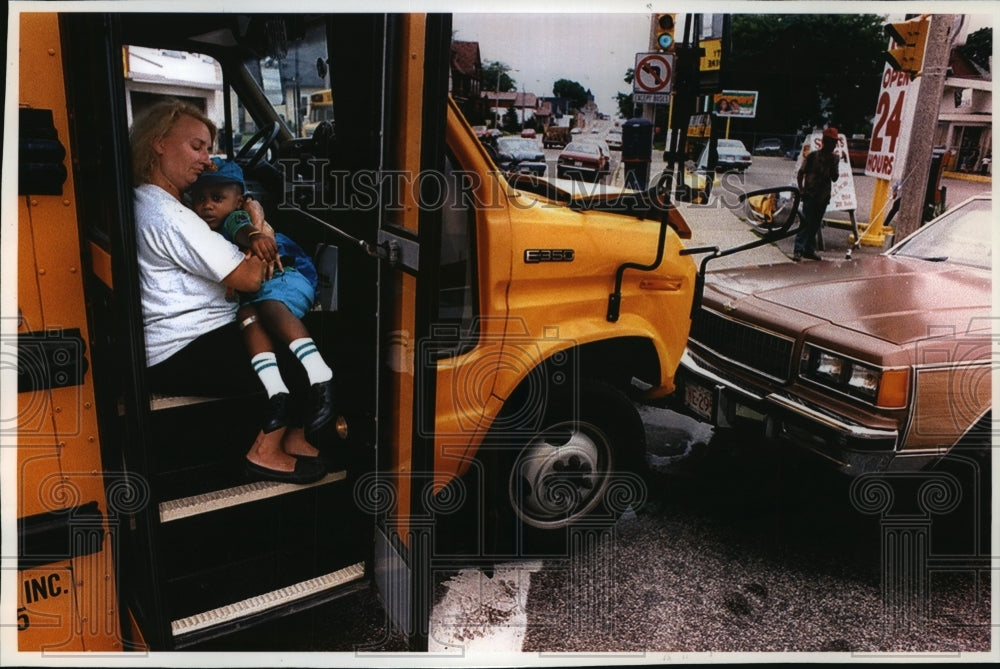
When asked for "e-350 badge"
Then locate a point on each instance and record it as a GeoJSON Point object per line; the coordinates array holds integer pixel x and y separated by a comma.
{"type": "Point", "coordinates": [532, 256]}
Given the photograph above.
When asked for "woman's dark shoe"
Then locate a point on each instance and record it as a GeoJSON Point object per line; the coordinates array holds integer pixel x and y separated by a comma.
{"type": "Point", "coordinates": [321, 409]}
{"type": "Point", "coordinates": [307, 470]}
{"type": "Point", "coordinates": [277, 413]}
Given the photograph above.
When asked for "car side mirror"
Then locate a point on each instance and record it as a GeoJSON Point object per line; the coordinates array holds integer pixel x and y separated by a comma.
{"type": "Point", "coordinates": [771, 210]}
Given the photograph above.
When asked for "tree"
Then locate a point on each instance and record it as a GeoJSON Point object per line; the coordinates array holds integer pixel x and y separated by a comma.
{"type": "Point", "coordinates": [978, 48]}
{"type": "Point", "coordinates": [511, 120]}
{"type": "Point", "coordinates": [577, 94]}
{"type": "Point", "coordinates": [494, 70]}
{"type": "Point", "coordinates": [809, 69]}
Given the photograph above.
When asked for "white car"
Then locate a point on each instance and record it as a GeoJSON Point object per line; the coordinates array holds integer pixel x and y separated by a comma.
{"type": "Point", "coordinates": [614, 139]}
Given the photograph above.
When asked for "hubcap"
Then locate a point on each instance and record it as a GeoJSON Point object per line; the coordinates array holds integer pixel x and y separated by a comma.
{"type": "Point", "coordinates": [560, 475]}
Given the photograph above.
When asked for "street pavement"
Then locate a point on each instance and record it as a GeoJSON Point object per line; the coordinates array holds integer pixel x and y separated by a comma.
{"type": "Point", "coordinates": [716, 225]}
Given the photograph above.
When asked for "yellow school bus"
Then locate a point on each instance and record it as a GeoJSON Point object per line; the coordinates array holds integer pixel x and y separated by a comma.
{"type": "Point", "coordinates": [320, 110]}
{"type": "Point", "coordinates": [489, 340]}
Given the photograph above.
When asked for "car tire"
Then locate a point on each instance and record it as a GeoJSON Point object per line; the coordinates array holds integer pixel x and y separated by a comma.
{"type": "Point", "coordinates": [578, 461]}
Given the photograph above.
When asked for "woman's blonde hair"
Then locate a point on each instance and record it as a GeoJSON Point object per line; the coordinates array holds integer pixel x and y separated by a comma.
{"type": "Point", "coordinates": [153, 125]}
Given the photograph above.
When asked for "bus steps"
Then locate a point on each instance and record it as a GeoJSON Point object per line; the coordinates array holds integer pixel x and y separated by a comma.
{"type": "Point", "coordinates": [194, 505]}
{"type": "Point", "coordinates": [237, 615]}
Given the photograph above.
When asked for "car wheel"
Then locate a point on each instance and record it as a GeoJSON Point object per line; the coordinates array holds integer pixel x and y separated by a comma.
{"type": "Point", "coordinates": [580, 461]}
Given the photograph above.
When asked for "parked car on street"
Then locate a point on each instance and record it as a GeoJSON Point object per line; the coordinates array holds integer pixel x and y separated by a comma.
{"type": "Point", "coordinates": [528, 133]}
{"type": "Point", "coordinates": [857, 152]}
{"type": "Point", "coordinates": [520, 154]}
{"type": "Point", "coordinates": [587, 160]}
{"type": "Point", "coordinates": [879, 363]}
{"type": "Point", "coordinates": [614, 139]}
{"type": "Point", "coordinates": [796, 148]}
{"type": "Point", "coordinates": [768, 147]}
{"type": "Point", "coordinates": [733, 155]}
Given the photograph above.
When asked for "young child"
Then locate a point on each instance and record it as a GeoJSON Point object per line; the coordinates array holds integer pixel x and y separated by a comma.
{"type": "Point", "coordinates": [276, 309]}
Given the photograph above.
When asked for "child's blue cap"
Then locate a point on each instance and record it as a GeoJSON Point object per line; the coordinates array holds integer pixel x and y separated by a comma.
{"type": "Point", "coordinates": [225, 172]}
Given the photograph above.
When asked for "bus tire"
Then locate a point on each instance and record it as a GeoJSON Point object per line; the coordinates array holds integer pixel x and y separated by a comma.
{"type": "Point", "coordinates": [578, 464]}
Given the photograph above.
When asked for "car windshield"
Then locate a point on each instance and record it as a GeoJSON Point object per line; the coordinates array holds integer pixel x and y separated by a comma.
{"type": "Point", "coordinates": [583, 147]}
{"type": "Point", "coordinates": [522, 145]}
{"type": "Point", "coordinates": [733, 144]}
{"type": "Point", "coordinates": [963, 236]}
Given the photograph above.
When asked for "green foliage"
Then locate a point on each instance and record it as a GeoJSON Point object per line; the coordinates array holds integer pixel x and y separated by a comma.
{"type": "Point", "coordinates": [511, 120]}
{"type": "Point", "coordinates": [809, 69]}
{"type": "Point", "coordinates": [626, 105]}
{"type": "Point", "coordinates": [497, 69]}
{"type": "Point", "coordinates": [564, 88]}
{"type": "Point", "coordinates": [978, 47]}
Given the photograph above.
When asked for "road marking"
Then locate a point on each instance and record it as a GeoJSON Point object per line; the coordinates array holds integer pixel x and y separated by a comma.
{"type": "Point", "coordinates": [479, 614]}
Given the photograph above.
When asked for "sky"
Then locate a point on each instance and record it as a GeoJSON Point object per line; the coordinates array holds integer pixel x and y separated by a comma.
{"type": "Point", "coordinates": [594, 50]}
{"type": "Point", "coordinates": [595, 42]}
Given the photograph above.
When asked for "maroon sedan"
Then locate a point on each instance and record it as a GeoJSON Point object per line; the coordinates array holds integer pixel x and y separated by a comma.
{"type": "Point", "coordinates": [588, 161]}
{"type": "Point", "coordinates": [879, 363]}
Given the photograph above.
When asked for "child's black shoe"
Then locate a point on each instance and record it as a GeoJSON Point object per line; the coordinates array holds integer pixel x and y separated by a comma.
{"type": "Point", "coordinates": [321, 409]}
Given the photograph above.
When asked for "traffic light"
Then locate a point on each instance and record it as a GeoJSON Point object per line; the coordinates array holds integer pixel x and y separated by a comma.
{"type": "Point", "coordinates": [665, 32]}
{"type": "Point", "coordinates": [910, 39]}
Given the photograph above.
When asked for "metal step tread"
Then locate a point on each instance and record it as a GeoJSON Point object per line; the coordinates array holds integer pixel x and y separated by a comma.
{"type": "Point", "coordinates": [268, 600]}
{"type": "Point", "coordinates": [185, 507]}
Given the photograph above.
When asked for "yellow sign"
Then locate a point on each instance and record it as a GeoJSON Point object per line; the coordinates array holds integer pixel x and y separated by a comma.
{"type": "Point", "coordinates": [712, 60]}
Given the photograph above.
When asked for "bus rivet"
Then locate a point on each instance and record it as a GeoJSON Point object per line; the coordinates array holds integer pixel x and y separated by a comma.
{"type": "Point", "coordinates": [34, 202]}
{"type": "Point", "coordinates": [66, 203]}
{"type": "Point", "coordinates": [72, 270]}
{"type": "Point", "coordinates": [52, 51]}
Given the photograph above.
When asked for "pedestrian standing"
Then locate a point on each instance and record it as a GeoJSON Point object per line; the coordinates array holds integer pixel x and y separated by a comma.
{"type": "Point", "coordinates": [815, 180]}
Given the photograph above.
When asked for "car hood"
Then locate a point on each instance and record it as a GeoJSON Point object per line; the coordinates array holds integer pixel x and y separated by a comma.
{"type": "Point", "coordinates": [896, 299]}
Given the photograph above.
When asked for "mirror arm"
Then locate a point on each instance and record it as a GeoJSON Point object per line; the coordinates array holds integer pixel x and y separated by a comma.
{"type": "Point", "coordinates": [715, 252]}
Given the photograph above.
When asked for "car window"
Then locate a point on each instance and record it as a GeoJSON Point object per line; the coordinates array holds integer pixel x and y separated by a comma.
{"type": "Point", "coordinates": [963, 236]}
{"type": "Point", "coordinates": [581, 147]}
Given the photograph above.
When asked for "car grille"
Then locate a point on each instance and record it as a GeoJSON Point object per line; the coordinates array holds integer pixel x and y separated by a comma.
{"type": "Point", "coordinates": [759, 350]}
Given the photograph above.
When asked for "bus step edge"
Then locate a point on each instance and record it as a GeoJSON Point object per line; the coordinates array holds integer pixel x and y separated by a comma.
{"type": "Point", "coordinates": [268, 600]}
{"type": "Point", "coordinates": [185, 507]}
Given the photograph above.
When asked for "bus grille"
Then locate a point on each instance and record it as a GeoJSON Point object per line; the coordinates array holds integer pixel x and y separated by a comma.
{"type": "Point", "coordinates": [759, 350]}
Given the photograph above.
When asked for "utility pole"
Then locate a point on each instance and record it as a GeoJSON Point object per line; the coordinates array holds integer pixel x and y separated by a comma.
{"type": "Point", "coordinates": [918, 157]}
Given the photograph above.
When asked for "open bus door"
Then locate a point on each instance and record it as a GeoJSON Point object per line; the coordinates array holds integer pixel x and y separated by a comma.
{"type": "Point", "coordinates": [193, 555]}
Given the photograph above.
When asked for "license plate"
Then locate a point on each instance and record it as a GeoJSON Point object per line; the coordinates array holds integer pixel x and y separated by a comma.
{"type": "Point", "coordinates": [577, 163]}
{"type": "Point", "coordinates": [699, 399]}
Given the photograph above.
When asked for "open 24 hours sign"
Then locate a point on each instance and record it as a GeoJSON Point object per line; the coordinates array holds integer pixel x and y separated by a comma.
{"type": "Point", "coordinates": [894, 113]}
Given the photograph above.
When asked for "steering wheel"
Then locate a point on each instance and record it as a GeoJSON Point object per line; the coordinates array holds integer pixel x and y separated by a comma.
{"type": "Point", "coordinates": [268, 134]}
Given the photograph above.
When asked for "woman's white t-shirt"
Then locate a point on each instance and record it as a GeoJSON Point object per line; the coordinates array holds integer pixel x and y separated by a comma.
{"type": "Point", "coordinates": [181, 266]}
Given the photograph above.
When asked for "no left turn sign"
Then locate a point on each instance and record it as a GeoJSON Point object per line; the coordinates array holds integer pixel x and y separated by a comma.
{"type": "Point", "coordinates": [654, 73]}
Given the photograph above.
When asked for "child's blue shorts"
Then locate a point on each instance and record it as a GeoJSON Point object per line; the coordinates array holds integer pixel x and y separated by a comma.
{"type": "Point", "coordinates": [289, 287]}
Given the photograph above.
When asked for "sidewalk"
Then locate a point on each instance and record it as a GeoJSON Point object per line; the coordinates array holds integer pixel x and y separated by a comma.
{"type": "Point", "coordinates": [713, 225]}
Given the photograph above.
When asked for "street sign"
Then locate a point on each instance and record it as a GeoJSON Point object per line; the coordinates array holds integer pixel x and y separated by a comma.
{"type": "Point", "coordinates": [712, 60]}
{"type": "Point", "coordinates": [893, 119]}
{"type": "Point", "coordinates": [654, 73]}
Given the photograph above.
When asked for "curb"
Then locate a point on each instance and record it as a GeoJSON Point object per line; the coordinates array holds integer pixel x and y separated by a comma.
{"type": "Point", "coordinates": [966, 176]}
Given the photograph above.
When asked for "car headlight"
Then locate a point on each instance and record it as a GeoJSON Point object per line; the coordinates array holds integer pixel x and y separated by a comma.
{"type": "Point", "coordinates": [886, 388]}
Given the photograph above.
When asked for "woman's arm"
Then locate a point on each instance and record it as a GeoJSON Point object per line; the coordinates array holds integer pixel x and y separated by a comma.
{"type": "Point", "coordinates": [248, 275]}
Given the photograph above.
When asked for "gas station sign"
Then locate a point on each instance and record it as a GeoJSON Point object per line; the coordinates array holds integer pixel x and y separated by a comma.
{"type": "Point", "coordinates": [893, 119]}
